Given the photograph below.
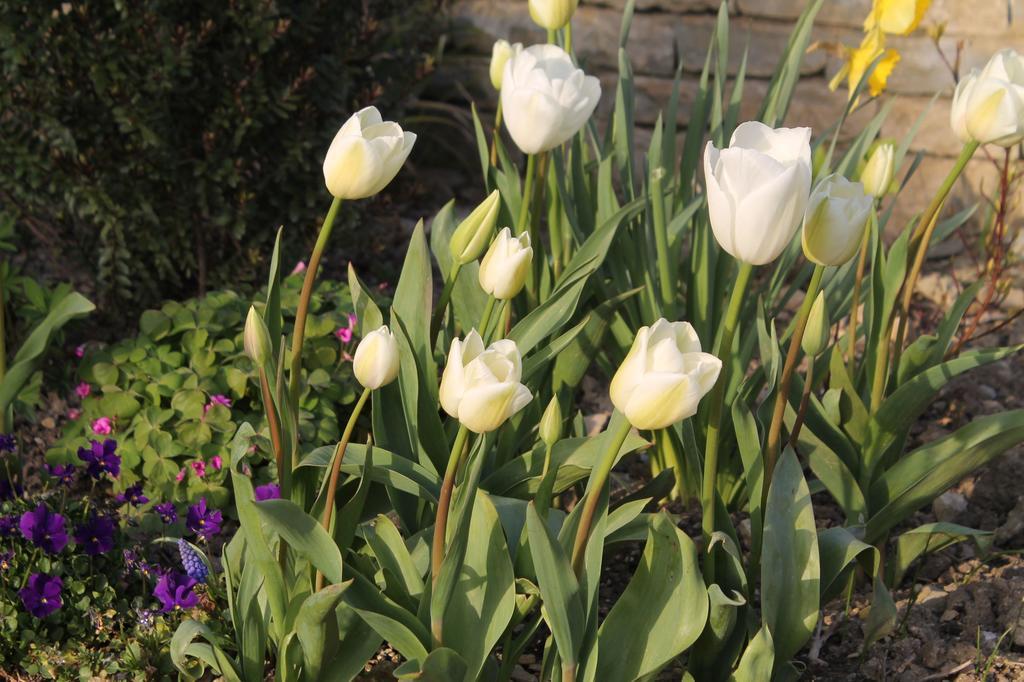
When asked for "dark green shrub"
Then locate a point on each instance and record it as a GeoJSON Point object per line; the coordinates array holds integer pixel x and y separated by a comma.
{"type": "Point", "coordinates": [162, 142]}
{"type": "Point", "coordinates": [158, 389]}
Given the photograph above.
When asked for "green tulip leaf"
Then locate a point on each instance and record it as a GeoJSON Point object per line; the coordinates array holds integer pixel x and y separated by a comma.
{"type": "Point", "coordinates": [790, 568]}
{"type": "Point", "coordinates": [667, 583]}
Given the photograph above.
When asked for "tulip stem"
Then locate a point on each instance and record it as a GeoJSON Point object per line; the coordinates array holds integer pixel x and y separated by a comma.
{"type": "Point", "coordinates": [339, 455]}
{"type": "Point", "coordinates": [524, 207]}
{"type": "Point", "coordinates": [771, 448]}
{"type": "Point", "coordinates": [717, 401]}
{"type": "Point", "coordinates": [922, 236]}
{"type": "Point", "coordinates": [805, 398]}
{"type": "Point", "coordinates": [299, 333]}
{"type": "Point", "coordinates": [485, 319]}
{"type": "Point", "coordinates": [274, 425]}
{"type": "Point", "coordinates": [666, 278]}
{"type": "Point", "coordinates": [851, 331]}
{"type": "Point", "coordinates": [444, 502]}
{"type": "Point", "coordinates": [442, 302]}
{"type": "Point", "coordinates": [598, 479]}
{"type": "Point", "coordinates": [495, 133]}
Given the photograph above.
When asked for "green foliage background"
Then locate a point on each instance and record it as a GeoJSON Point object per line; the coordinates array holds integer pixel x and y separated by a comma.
{"type": "Point", "coordinates": [162, 142]}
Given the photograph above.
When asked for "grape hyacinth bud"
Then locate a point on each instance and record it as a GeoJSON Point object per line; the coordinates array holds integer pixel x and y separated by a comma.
{"type": "Point", "coordinates": [191, 562]}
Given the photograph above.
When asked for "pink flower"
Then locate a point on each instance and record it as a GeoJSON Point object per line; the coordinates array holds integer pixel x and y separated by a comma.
{"type": "Point", "coordinates": [180, 476]}
{"type": "Point", "coordinates": [346, 356]}
{"type": "Point", "coordinates": [216, 462]}
{"type": "Point", "coordinates": [102, 426]}
{"type": "Point", "coordinates": [74, 413]}
{"type": "Point", "coordinates": [344, 334]}
{"type": "Point", "coordinates": [352, 319]}
{"type": "Point", "coordinates": [217, 399]}
{"type": "Point", "coordinates": [299, 268]}
{"type": "Point", "coordinates": [80, 351]}
{"type": "Point", "coordinates": [83, 389]}
{"type": "Point", "coordinates": [198, 466]}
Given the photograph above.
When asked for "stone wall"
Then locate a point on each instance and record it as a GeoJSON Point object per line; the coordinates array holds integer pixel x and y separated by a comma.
{"type": "Point", "coordinates": [666, 32]}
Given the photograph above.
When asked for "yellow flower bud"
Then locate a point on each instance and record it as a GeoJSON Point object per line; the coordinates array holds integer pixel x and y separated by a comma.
{"type": "Point", "coordinates": [552, 14]}
{"type": "Point", "coordinates": [473, 234]}
{"type": "Point", "coordinates": [834, 222]}
{"type": "Point", "coordinates": [877, 174]}
{"type": "Point", "coordinates": [500, 54]}
{"type": "Point", "coordinates": [256, 338]}
{"type": "Point", "coordinates": [817, 331]}
{"type": "Point", "coordinates": [551, 423]}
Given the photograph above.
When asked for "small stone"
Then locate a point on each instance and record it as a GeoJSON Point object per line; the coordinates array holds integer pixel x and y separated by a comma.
{"type": "Point", "coordinates": [527, 659]}
{"type": "Point", "coordinates": [47, 423]}
{"type": "Point", "coordinates": [949, 506]}
{"type": "Point", "coordinates": [948, 615]}
{"type": "Point", "coordinates": [987, 392]}
{"type": "Point", "coordinates": [744, 531]}
{"type": "Point", "coordinates": [519, 674]}
{"type": "Point", "coordinates": [1013, 526]}
{"type": "Point", "coordinates": [932, 598]}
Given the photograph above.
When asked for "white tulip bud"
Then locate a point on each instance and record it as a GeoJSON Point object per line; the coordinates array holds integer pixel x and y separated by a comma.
{"type": "Point", "coordinates": [834, 224]}
{"type": "Point", "coordinates": [757, 189]}
{"type": "Point", "coordinates": [256, 338]}
{"type": "Point", "coordinates": [545, 99]}
{"type": "Point", "coordinates": [988, 106]}
{"type": "Point", "coordinates": [376, 361]}
{"type": "Point", "coordinates": [500, 54]}
{"type": "Point", "coordinates": [504, 268]}
{"type": "Point", "coordinates": [664, 376]}
{"type": "Point", "coordinates": [878, 171]}
{"type": "Point", "coordinates": [365, 155]}
{"type": "Point", "coordinates": [481, 388]}
{"type": "Point", "coordinates": [818, 330]}
{"type": "Point", "coordinates": [552, 14]}
{"type": "Point", "coordinates": [550, 428]}
{"type": "Point", "coordinates": [473, 234]}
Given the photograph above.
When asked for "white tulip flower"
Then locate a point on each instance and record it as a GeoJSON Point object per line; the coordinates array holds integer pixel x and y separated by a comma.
{"type": "Point", "coordinates": [376, 361]}
{"type": "Point", "coordinates": [365, 155]}
{"type": "Point", "coordinates": [664, 376]}
{"type": "Point", "coordinates": [552, 14]}
{"type": "Point", "coordinates": [757, 189]}
{"type": "Point", "coordinates": [878, 171]}
{"type": "Point", "coordinates": [481, 388]}
{"type": "Point", "coordinates": [500, 54]}
{"type": "Point", "coordinates": [545, 99]}
{"type": "Point", "coordinates": [506, 265]}
{"type": "Point", "coordinates": [834, 223]}
{"type": "Point", "coordinates": [988, 106]}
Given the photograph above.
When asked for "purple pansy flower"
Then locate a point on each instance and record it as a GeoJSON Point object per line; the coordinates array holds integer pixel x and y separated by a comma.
{"type": "Point", "coordinates": [101, 458]}
{"type": "Point", "coordinates": [175, 592]}
{"type": "Point", "coordinates": [133, 496]}
{"type": "Point", "coordinates": [41, 595]}
{"type": "Point", "coordinates": [8, 524]}
{"type": "Point", "coordinates": [202, 521]}
{"type": "Point", "coordinates": [7, 442]}
{"type": "Point", "coordinates": [168, 514]}
{"type": "Point", "coordinates": [96, 536]}
{"type": "Point", "coordinates": [62, 472]}
{"type": "Point", "coordinates": [268, 491]}
{"type": "Point", "coordinates": [44, 529]}
{"type": "Point", "coordinates": [8, 490]}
